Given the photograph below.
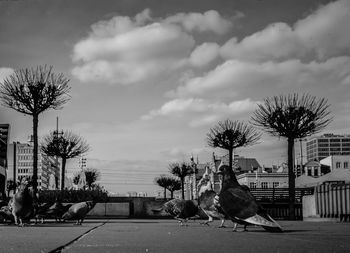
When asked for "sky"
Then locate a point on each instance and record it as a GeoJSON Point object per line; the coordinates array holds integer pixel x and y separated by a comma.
{"type": "Point", "coordinates": [150, 78]}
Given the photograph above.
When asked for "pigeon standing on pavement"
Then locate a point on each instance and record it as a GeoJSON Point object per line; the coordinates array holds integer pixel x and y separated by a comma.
{"type": "Point", "coordinates": [182, 210]}
{"type": "Point", "coordinates": [40, 211]}
{"type": "Point", "coordinates": [6, 213]}
{"type": "Point", "coordinates": [240, 205]}
{"type": "Point", "coordinates": [208, 201]}
{"type": "Point", "coordinates": [78, 211]}
{"type": "Point", "coordinates": [22, 204]}
{"type": "Point", "coordinates": [57, 210]}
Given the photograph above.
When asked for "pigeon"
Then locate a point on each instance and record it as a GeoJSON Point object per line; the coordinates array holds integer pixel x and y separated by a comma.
{"type": "Point", "coordinates": [182, 210]}
{"type": "Point", "coordinates": [57, 210]}
{"type": "Point", "coordinates": [78, 211]}
{"type": "Point", "coordinates": [40, 211]}
{"type": "Point", "coordinates": [208, 202]}
{"type": "Point", "coordinates": [6, 214]}
{"type": "Point", "coordinates": [240, 205]}
{"type": "Point", "coordinates": [22, 204]}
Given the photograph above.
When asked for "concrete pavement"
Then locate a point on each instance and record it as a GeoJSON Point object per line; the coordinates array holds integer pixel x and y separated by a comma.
{"type": "Point", "coordinates": [167, 236]}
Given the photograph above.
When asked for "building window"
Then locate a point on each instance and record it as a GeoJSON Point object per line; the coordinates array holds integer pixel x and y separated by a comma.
{"type": "Point", "coordinates": [337, 165]}
{"type": "Point", "coordinates": [264, 185]}
{"type": "Point", "coordinates": [275, 184]}
{"type": "Point", "coordinates": [252, 185]}
{"type": "Point", "coordinates": [316, 172]}
{"type": "Point", "coordinates": [346, 165]}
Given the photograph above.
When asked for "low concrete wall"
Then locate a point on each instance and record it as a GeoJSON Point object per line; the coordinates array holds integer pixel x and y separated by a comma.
{"type": "Point", "coordinates": [309, 206]}
{"type": "Point", "coordinates": [310, 211]}
{"type": "Point", "coordinates": [110, 209]}
{"type": "Point", "coordinates": [129, 207]}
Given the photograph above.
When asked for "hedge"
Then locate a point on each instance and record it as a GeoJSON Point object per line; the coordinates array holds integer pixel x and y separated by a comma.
{"type": "Point", "coordinates": [72, 196]}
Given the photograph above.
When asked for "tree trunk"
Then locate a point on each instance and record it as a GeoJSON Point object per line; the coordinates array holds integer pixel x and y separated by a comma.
{"type": "Point", "coordinates": [172, 194]}
{"type": "Point", "coordinates": [291, 179]}
{"type": "Point", "coordinates": [35, 153]}
{"type": "Point", "coordinates": [63, 172]}
{"type": "Point", "coordinates": [164, 193]}
{"type": "Point", "coordinates": [230, 155]}
{"type": "Point", "coordinates": [183, 188]}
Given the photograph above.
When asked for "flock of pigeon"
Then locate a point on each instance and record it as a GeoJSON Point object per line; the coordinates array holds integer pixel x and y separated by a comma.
{"type": "Point", "coordinates": [234, 202]}
{"type": "Point", "coordinates": [23, 207]}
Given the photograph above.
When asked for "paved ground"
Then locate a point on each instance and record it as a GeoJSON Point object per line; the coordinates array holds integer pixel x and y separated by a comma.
{"type": "Point", "coordinates": [167, 236]}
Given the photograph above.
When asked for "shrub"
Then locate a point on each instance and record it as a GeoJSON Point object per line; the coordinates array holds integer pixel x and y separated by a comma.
{"type": "Point", "coordinates": [72, 196]}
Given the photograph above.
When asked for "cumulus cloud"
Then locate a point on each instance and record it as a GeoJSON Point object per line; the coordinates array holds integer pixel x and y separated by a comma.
{"type": "Point", "coordinates": [202, 112]}
{"type": "Point", "coordinates": [204, 54]}
{"type": "Point", "coordinates": [208, 21]}
{"type": "Point", "coordinates": [219, 111]}
{"type": "Point", "coordinates": [178, 106]}
{"type": "Point", "coordinates": [5, 72]}
{"type": "Point", "coordinates": [233, 76]}
{"type": "Point", "coordinates": [323, 34]}
{"type": "Point", "coordinates": [128, 50]}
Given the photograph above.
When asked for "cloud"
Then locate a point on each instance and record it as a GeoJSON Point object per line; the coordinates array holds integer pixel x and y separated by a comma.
{"type": "Point", "coordinates": [113, 53]}
{"type": "Point", "coordinates": [5, 72]}
{"type": "Point", "coordinates": [208, 21]}
{"type": "Point", "coordinates": [178, 106]}
{"type": "Point", "coordinates": [125, 50]}
{"type": "Point", "coordinates": [323, 34]}
{"type": "Point", "coordinates": [234, 77]}
{"type": "Point", "coordinates": [181, 154]}
{"type": "Point", "coordinates": [202, 112]}
{"type": "Point", "coordinates": [219, 111]}
{"type": "Point", "coordinates": [204, 54]}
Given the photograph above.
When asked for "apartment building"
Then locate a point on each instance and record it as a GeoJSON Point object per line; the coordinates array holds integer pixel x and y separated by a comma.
{"type": "Point", "coordinates": [320, 147]}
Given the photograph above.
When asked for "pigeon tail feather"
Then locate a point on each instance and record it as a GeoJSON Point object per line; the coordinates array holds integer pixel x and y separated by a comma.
{"type": "Point", "coordinates": [270, 225]}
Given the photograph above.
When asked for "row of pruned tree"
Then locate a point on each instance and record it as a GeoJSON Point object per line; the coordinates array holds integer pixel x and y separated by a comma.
{"type": "Point", "coordinates": [90, 176]}
{"type": "Point", "coordinates": [289, 116]}
{"type": "Point", "coordinates": [171, 183]}
{"type": "Point", "coordinates": [33, 91]}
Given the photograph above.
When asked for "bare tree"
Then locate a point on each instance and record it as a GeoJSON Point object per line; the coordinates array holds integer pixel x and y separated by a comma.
{"type": "Point", "coordinates": [181, 171]}
{"type": "Point", "coordinates": [163, 182]}
{"type": "Point", "coordinates": [91, 176]}
{"type": "Point", "coordinates": [76, 178]}
{"type": "Point", "coordinates": [230, 135]}
{"type": "Point", "coordinates": [66, 146]}
{"type": "Point", "coordinates": [292, 117]}
{"type": "Point", "coordinates": [173, 185]}
{"type": "Point", "coordinates": [31, 92]}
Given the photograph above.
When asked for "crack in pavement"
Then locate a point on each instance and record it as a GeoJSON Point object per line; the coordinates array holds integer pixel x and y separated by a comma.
{"type": "Point", "coordinates": [67, 245]}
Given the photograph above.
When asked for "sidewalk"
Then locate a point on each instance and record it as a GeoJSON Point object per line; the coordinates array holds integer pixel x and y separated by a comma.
{"type": "Point", "coordinates": [167, 236]}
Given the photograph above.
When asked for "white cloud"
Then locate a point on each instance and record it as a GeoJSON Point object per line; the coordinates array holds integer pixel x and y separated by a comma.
{"type": "Point", "coordinates": [178, 106]}
{"type": "Point", "coordinates": [5, 72]}
{"type": "Point", "coordinates": [327, 31]}
{"type": "Point", "coordinates": [204, 54]}
{"type": "Point", "coordinates": [277, 41]}
{"type": "Point", "coordinates": [125, 51]}
{"type": "Point", "coordinates": [234, 77]}
{"type": "Point", "coordinates": [128, 50]}
{"type": "Point", "coordinates": [219, 111]}
{"type": "Point", "coordinates": [202, 112]}
{"type": "Point", "coordinates": [323, 34]}
{"type": "Point", "coordinates": [208, 21]}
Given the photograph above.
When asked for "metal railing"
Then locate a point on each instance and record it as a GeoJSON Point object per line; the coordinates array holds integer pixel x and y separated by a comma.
{"type": "Point", "coordinates": [333, 201]}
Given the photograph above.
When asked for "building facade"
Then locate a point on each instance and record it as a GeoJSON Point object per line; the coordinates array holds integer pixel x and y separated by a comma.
{"type": "Point", "coordinates": [336, 162]}
{"type": "Point", "coordinates": [4, 136]}
{"type": "Point", "coordinates": [263, 179]}
{"type": "Point", "coordinates": [320, 147]}
{"type": "Point", "coordinates": [20, 165]}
